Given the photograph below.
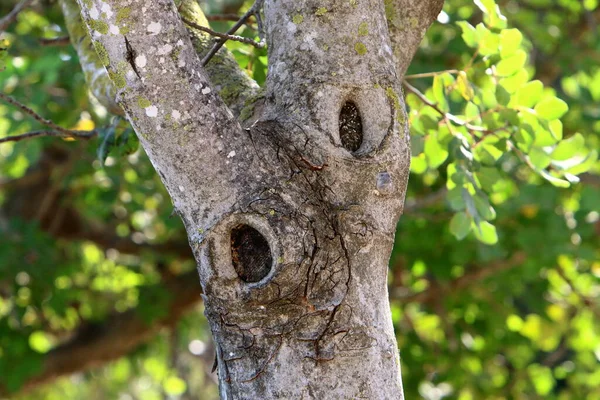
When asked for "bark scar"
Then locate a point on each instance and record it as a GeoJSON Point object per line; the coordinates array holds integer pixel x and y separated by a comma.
{"type": "Point", "coordinates": [130, 57]}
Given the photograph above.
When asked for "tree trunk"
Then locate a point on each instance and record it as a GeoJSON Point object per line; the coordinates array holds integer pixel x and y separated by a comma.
{"type": "Point", "coordinates": [291, 218]}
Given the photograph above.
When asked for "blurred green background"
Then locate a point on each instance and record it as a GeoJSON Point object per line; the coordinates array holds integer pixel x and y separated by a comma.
{"type": "Point", "coordinates": [495, 276]}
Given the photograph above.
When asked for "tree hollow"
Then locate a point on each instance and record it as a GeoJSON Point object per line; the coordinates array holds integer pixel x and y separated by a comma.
{"type": "Point", "coordinates": [350, 125]}
{"type": "Point", "coordinates": [250, 253]}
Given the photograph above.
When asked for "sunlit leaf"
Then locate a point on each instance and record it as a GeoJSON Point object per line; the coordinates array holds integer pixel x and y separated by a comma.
{"type": "Point", "coordinates": [551, 108]}
{"type": "Point", "coordinates": [460, 225]}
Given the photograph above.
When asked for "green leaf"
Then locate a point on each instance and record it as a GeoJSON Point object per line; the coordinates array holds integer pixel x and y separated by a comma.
{"type": "Point", "coordinates": [556, 129]}
{"type": "Point", "coordinates": [487, 153]}
{"type": "Point", "coordinates": [543, 137]}
{"type": "Point", "coordinates": [554, 180]}
{"type": "Point", "coordinates": [464, 87]}
{"type": "Point", "coordinates": [127, 143]}
{"type": "Point", "coordinates": [551, 108]}
{"type": "Point", "coordinates": [542, 379]}
{"type": "Point", "coordinates": [417, 144]}
{"type": "Point", "coordinates": [438, 93]}
{"type": "Point", "coordinates": [489, 178]}
{"type": "Point", "coordinates": [456, 176]}
{"type": "Point", "coordinates": [486, 233]}
{"type": "Point", "coordinates": [502, 95]}
{"type": "Point", "coordinates": [469, 34]}
{"type": "Point", "coordinates": [455, 199]}
{"type": "Point", "coordinates": [489, 43]}
{"type": "Point", "coordinates": [516, 81]}
{"type": "Point", "coordinates": [460, 225]}
{"type": "Point", "coordinates": [539, 158]}
{"type": "Point", "coordinates": [107, 142]}
{"type": "Point", "coordinates": [435, 154]}
{"type": "Point", "coordinates": [590, 5]}
{"type": "Point", "coordinates": [584, 165]}
{"type": "Point", "coordinates": [492, 15]}
{"type": "Point", "coordinates": [529, 95]}
{"type": "Point", "coordinates": [174, 386]}
{"type": "Point", "coordinates": [511, 65]}
{"type": "Point", "coordinates": [40, 342]}
{"type": "Point", "coordinates": [486, 6]}
{"type": "Point", "coordinates": [418, 164]}
{"type": "Point", "coordinates": [488, 98]}
{"type": "Point", "coordinates": [524, 138]}
{"type": "Point", "coordinates": [568, 148]}
{"type": "Point", "coordinates": [485, 210]}
{"type": "Point", "coordinates": [510, 41]}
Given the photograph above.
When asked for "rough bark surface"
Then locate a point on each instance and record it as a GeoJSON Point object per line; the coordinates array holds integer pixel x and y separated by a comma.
{"type": "Point", "coordinates": [292, 218]}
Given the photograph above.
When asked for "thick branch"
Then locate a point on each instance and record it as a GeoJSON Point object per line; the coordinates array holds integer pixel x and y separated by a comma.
{"type": "Point", "coordinates": [233, 84]}
{"type": "Point", "coordinates": [408, 21]}
{"type": "Point", "coordinates": [189, 134]}
{"type": "Point", "coordinates": [95, 74]}
{"type": "Point", "coordinates": [116, 336]}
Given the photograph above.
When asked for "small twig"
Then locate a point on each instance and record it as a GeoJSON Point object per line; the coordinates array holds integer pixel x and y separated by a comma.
{"type": "Point", "coordinates": [445, 115]}
{"type": "Point", "coordinates": [68, 134]}
{"type": "Point", "coordinates": [431, 74]}
{"type": "Point", "coordinates": [57, 41]}
{"type": "Point", "coordinates": [224, 36]}
{"type": "Point", "coordinates": [223, 17]}
{"type": "Point", "coordinates": [472, 60]}
{"type": "Point", "coordinates": [254, 10]}
{"type": "Point", "coordinates": [12, 16]}
{"type": "Point", "coordinates": [35, 115]}
{"type": "Point", "coordinates": [260, 26]}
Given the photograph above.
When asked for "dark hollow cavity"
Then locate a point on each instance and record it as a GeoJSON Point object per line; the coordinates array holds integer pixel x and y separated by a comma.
{"type": "Point", "coordinates": [250, 253]}
{"type": "Point", "coordinates": [351, 130]}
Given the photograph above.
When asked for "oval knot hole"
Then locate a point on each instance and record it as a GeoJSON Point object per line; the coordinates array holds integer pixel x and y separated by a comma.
{"type": "Point", "coordinates": [250, 253]}
{"type": "Point", "coordinates": [351, 130]}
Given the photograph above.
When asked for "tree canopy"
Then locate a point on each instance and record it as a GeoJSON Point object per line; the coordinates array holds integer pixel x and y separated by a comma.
{"type": "Point", "coordinates": [495, 275]}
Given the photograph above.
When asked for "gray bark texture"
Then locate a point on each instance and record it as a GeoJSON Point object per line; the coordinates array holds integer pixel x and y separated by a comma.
{"type": "Point", "coordinates": [291, 198]}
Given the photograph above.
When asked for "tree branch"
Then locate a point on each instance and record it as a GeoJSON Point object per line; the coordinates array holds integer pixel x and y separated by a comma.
{"type": "Point", "coordinates": [254, 10]}
{"type": "Point", "coordinates": [185, 128]}
{"type": "Point", "coordinates": [440, 291]}
{"type": "Point", "coordinates": [117, 335]}
{"type": "Point", "coordinates": [448, 116]}
{"type": "Point", "coordinates": [72, 134]}
{"type": "Point", "coordinates": [224, 36]}
{"type": "Point", "coordinates": [96, 76]}
{"type": "Point", "coordinates": [408, 21]}
{"type": "Point", "coordinates": [225, 17]}
{"type": "Point", "coordinates": [12, 16]}
{"type": "Point", "coordinates": [39, 118]}
{"type": "Point", "coordinates": [57, 41]}
{"type": "Point", "coordinates": [233, 84]}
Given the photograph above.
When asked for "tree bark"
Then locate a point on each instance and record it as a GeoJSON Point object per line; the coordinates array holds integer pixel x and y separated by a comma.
{"type": "Point", "coordinates": [291, 219]}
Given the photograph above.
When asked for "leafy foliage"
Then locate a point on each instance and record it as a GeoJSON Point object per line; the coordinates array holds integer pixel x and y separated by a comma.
{"type": "Point", "coordinates": [495, 273]}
